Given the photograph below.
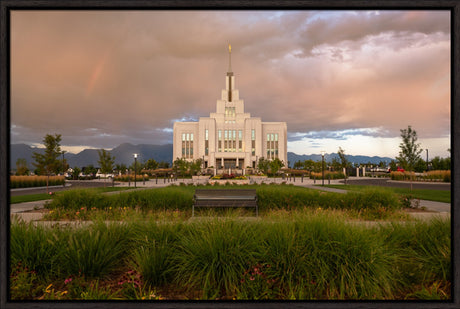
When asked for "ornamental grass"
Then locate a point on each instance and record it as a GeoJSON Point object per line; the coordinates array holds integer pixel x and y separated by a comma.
{"type": "Point", "coordinates": [35, 181]}
{"type": "Point", "coordinates": [301, 256]}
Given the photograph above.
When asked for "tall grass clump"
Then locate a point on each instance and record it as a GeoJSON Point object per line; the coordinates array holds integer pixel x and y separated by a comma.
{"type": "Point", "coordinates": [95, 251]}
{"type": "Point", "coordinates": [36, 247]}
{"type": "Point", "coordinates": [424, 250]}
{"type": "Point", "coordinates": [153, 250]}
{"type": "Point", "coordinates": [319, 257]}
{"type": "Point", "coordinates": [212, 255]}
{"type": "Point", "coordinates": [327, 175]}
{"type": "Point", "coordinates": [168, 198]}
{"type": "Point", "coordinates": [35, 181]}
{"type": "Point", "coordinates": [373, 202]}
{"type": "Point", "coordinates": [438, 175]}
{"type": "Point", "coordinates": [79, 198]}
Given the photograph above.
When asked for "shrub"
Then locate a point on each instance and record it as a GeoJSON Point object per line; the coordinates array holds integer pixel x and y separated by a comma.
{"type": "Point", "coordinates": [35, 181]}
{"type": "Point", "coordinates": [126, 178]}
{"type": "Point", "coordinates": [79, 198]}
{"type": "Point", "coordinates": [328, 175]}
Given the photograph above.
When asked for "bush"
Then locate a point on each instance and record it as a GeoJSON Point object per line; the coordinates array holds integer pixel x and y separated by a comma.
{"type": "Point", "coordinates": [35, 181]}
{"type": "Point", "coordinates": [328, 175]}
{"type": "Point", "coordinates": [78, 199]}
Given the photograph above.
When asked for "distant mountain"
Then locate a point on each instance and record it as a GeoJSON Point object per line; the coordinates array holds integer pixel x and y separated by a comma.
{"type": "Point", "coordinates": [124, 153]}
{"type": "Point", "coordinates": [292, 158]}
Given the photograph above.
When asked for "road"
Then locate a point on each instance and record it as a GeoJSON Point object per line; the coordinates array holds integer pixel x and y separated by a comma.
{"type": "Point", "coordinates": [399, 184]}
{"type": "Point", "coordinates": [70, 184]}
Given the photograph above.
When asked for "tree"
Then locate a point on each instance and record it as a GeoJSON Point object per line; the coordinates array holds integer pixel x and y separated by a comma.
{"type": "Point", "coordinates": [151, 164]}
{"type": "Point", "coordinates": [410, 150]}
{"type": "Point", "coordinates": [21, 167]}
{"type": "Point", "coordinates": [180, 165]}
{"type": "Point", "coordinates": [137, 167]}
{"type": "Point", "coordinates": [195, 166]}
{"type": "Point", "coordinates": [343, 162]}
{"type": "Point", "coordinates": [76, 172]}
{"type": "Point", "coordinates": [121, 168]}
{"type": "Point", "coordinates": [275, 165]}
{"type": "Point", "coordinates": [106, 161]}
{"type": "Point", "coordinates": [393, 165]}
{"type": "Point", "coordinates": [48, 162]}
{"type": "Point", "coordinates": [163, 164]}
{"type": "Point", "coordinates": [420, 166]}
{"type": "Point", "coordinates": [89, 170]}
{"type": "Point", "coordinates": [298, 165]}
{"type": "Point", "coordinates": [263, 165]}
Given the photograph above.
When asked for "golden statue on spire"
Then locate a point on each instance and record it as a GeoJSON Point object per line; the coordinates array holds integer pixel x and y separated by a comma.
{"type": "Point", "coordinates": [229, 48]}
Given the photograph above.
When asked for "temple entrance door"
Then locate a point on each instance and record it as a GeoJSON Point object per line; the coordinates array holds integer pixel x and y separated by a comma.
{"type": "Point", "coordinates": [229, 163]}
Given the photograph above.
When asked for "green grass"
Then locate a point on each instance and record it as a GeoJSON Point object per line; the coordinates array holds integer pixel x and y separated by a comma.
{"type": "Point", "coordinates": [29, 198]}
{"type": "Point", "coordinates": [423, 194]}
{"type": "Point", "coordinates": [44, 196]}
{"type": "Point", "coordinates": [303, 255]}
{"type": "Point", "coordinates": [370, 204]}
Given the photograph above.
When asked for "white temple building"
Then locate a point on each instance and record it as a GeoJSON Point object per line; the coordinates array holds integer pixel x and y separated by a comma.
{"type": "Point", "coordinates": [230, 138]}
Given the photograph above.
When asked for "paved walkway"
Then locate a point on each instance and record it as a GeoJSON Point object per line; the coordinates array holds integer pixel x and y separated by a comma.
{"type": "Point", "coordinates": [25, 210]}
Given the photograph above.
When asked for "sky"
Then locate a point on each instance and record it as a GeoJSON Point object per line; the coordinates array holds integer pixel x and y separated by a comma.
{"type": "Point", "coordinates": [349, 79]}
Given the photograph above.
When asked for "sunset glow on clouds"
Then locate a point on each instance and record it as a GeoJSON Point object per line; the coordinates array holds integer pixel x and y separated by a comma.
{"type": "Point", "coordinates": [349, 79]}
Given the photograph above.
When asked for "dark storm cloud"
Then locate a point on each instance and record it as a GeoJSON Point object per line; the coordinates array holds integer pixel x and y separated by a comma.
{"type": "Point", "coordinates": [102, 78]}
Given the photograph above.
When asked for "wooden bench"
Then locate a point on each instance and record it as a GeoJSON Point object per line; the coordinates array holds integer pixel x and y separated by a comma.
{"type": "Point", "coordinates": [225, 198]}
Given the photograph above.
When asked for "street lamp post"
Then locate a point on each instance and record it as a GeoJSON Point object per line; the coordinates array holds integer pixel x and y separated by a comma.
{"type": "Point", "coordinates": [63, 167]}
{"type": "Point", "coordinates": [135, 169]}
{"type": "Point", "coordinates": [426, 160]}
{"type": "Point", "coordinates": [322, 166]}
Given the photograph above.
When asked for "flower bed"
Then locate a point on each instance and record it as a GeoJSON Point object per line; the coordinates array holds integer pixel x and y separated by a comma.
{"type": "Point", "coordinates": [228, 181]}
{"type": "Point", "coordinates": [229, 177]}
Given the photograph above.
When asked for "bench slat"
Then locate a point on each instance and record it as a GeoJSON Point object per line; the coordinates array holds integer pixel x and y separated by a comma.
{"type": "Point", "coordinates": [218, 198]}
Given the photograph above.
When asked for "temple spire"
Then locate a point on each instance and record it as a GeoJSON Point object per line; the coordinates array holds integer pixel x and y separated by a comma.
{"type": "Point", "coordinates": [229, 58]}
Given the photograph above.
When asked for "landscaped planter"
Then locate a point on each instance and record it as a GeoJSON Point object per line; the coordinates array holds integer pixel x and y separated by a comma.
{"type": "Point", "coordinates": [231, 181]}
{"type": "Point", "coordinates": [202, 177]}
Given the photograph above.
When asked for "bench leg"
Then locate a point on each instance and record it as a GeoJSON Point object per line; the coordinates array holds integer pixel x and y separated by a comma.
{"type": "Point", "coordinates": [193, 210]}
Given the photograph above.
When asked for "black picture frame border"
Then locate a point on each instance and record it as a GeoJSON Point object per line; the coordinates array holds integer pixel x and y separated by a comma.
{"type": "Point", "coordinates": [6, 6]}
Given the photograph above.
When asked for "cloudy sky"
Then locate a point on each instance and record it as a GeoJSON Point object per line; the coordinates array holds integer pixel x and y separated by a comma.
{"type": "Point", "coordinates": [349, 79]}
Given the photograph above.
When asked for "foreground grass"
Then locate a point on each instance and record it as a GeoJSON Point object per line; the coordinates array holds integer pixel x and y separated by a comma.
{"type": "Point", "coordinates": [44, 196]}
{"type": "Point", "coordinates": [370, 204]}
{"type": "Point", "coordinates": [304, 254]}
{"type": "Point", "coordinates": [422, 194]}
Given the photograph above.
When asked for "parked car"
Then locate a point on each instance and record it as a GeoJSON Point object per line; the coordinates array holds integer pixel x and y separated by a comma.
{"type": "Point", "coordinates": [400, 169]}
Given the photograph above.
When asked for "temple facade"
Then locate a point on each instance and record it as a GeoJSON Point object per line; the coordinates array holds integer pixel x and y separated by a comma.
{"type": "Point", "coordinates": [230, 138]}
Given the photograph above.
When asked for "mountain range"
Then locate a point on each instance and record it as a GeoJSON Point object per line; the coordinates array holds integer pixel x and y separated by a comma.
{"type": "Point", "coordinates": [124, 154]}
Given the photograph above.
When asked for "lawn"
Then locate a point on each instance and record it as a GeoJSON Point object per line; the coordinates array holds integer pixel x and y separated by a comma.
{"type": "Point", "coordinates": [45, 196]}
{"type": "Point", "coordinates": [422, 194]}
